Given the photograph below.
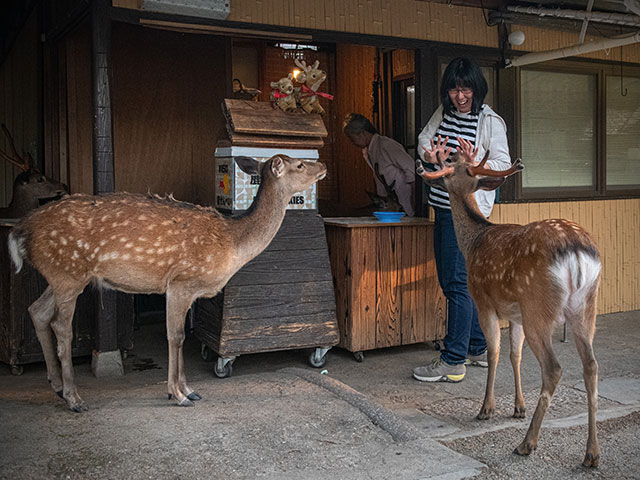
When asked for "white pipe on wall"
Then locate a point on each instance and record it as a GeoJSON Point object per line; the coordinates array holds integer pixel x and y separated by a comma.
{"type": "Point", "coordinates": [573, 50]}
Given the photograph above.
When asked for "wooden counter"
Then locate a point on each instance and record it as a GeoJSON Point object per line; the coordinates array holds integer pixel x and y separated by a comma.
{"type": "Point", "coordinates": [385, 281]}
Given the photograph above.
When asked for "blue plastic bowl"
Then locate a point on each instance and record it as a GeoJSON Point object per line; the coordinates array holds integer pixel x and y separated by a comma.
{"type": "Point", "coordinates": [388, 217]}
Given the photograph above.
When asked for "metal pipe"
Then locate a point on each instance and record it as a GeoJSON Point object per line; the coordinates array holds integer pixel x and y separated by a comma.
{"type": "Point", "coordinates": [573, 50]}
{"type": "Point", "coordinates": [614, 18]}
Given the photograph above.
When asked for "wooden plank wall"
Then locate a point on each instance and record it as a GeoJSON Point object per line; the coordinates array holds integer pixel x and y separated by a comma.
{"type": "Point", "coordinates": [615, 225]}
{"type": "Point", "coordinates": [20, 102]}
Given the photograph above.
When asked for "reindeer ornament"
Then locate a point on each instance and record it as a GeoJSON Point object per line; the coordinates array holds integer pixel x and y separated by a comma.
{"type": "Point", "coordinates": [311, 77]}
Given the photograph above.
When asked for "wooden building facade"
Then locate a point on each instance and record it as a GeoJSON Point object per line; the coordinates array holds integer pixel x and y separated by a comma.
{"type": "Point", "coordinates": [170, 73]}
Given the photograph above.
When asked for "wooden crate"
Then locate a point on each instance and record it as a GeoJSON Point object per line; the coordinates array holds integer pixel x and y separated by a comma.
{"type": "Point", "coordinates": [283, 299]}
{"type": "Point", "coordinates": [385, 280]}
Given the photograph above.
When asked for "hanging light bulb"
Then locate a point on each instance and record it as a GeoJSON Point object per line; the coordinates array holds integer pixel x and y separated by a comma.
{"type": "Point", "coordinates": [516, 38]}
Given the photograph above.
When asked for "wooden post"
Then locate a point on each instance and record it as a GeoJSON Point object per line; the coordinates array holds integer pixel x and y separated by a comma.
{"type": "Point", "coordinates": [106, 357]}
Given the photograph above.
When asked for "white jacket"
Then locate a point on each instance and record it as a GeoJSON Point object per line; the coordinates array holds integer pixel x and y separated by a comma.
{"type": "Point", "coordinates": [491, 135]}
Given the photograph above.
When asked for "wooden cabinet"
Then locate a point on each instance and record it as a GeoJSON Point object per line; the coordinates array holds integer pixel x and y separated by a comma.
{"type": "Point", "coordinates": [385, 282]}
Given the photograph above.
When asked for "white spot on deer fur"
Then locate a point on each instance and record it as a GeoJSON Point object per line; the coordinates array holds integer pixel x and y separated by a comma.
{"type": "Point", "coordinates": [151, 227]}
{"type": "Point", "coordinates": [103, 243]}
{"type": "Point", "coordinates": [113, 237]}
{"type": "Point", "coordinates": [151, 260]}
{"type": "Point", "coordinates": [161, 263]}
{"type": "Point", "coordinates": [123, 239]}
{"type": "Point", "coordinates": [104, 218]}
{"type": "Point", "coordinates": [209, 258]}
{"type": "Point", "coordinates": [139, 249]}
{"type": "Point", "coordinates": [151, 251]}
{"type": "Point", "coordinates": [142, 239]}
{"type": "Point", "coordinates": [143, 218]}
{"type": "Point", "coordinates": [170, 261]}
{"type": "Point", "coordinates": [128, 245]}
{"type": "Point", "coordinates": [115, 254]}
{"type": "Point", "coordinates": [139, 258]}
{"type": "Point", "coordinates": [167, 222]}
{"type": "Point", "coordinates": [103, 257]}
{"type": "Point", "coordinates": [63, 240]}
{"type": "Point", "coordinates": [75, 255]}
{"type": "Point", "coordinates": [53, 233]}
{"type": "Point", "coordinates": [126, 256]}
{"type": "Point", "coordinates": [160, 251]}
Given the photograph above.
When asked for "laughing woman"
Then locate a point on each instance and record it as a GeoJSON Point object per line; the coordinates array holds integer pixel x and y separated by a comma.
{"type": "Point", "coordinates": [462, 114]}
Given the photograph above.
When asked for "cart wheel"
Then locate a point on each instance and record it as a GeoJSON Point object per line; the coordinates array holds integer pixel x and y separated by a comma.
{"type": "Point", "coordinates": [125, 354]}
{"type": "Point", "coordinates": [359, 356]}
{"type": "Point", "coordinates": [207, 354]}
{"type": "Point", "coordinates": [17, 370]}
{"type": "Point", "coordinates": [318, 358]}
{"type": "Point", "coordinates": [222, 369]}
{"type": "Point", "coordinates": [437, 344]}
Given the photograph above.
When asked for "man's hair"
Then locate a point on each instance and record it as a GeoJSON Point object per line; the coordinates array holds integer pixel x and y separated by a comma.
{"type": "Point", "coordinates": [354, 123]}
{"type": "Point", "coordinates": [464, 73]}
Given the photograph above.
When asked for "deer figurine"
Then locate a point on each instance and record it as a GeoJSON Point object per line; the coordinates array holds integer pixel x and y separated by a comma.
{"type": "Point", "coordinates": [146, 244]}
{"type": "Point", "coordinates": [311, 77]}
{"type": "Point", "coordinates": [534, 275]}
{"type": "Point", "coordinates": [30, 188]}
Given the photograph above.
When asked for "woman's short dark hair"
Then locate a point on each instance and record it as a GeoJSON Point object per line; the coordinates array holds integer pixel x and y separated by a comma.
{"type": "Point", "coordinates": [464, 73]}
{"type": "Point", "coordinates": [354, 123]}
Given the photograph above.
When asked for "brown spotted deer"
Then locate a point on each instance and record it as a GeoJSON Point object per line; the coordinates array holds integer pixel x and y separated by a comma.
{"type": "Point", "coordinates": [146, 244]}
{"type": "Point", "coordinates": [536, 276]}
{"type": "Point", "coordinates": [30, 188]}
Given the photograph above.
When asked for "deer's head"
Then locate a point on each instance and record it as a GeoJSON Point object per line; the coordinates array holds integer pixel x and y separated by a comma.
{"type": "Point", "coordinates": [290, 174]}
{"type": "Point", "coordinates": [30, 188]}
{"type": "Point", "coordinates": [460, 175]}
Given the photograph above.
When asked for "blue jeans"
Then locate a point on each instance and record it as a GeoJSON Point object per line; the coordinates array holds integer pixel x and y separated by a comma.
{"type": "Point", "coordinates": [464, 335]}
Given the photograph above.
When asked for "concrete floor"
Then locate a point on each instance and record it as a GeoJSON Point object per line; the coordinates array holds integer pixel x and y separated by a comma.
{"type": "Point", "coordinates": [278, 418]}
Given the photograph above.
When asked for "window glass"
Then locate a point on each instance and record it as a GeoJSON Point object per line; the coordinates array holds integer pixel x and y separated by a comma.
{"type": "Point", "coordinates": [557, 129]}
{"type": "Point", "coordinates": [623, 130]}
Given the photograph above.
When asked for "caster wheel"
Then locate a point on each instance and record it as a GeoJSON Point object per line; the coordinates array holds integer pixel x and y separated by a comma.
{"type": "Point", "coordinates": [17, 370]}
{"type": "Point", "coordinates": [317, 360]}
{"type": "Point", "coordinates": [437, 345]}
{"type": "Point", "coordinates": [207, 354]}
{"type": "Point", "coordinates": [223, 370]}
{"type": "Point", "coordinates": [359, 356]}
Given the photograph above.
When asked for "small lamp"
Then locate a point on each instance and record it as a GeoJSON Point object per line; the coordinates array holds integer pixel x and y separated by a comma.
{"type": "Point", "coordinates": [516, 38]}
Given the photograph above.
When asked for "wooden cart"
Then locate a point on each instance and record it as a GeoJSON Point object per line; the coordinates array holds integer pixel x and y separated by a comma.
{"type": "Point", "coordinates": [386, 286]}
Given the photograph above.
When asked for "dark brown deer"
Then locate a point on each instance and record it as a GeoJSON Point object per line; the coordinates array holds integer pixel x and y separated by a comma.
{"type": "Point", "coordinates": [31, 188]}
{"type": "Point", "coordinates": [146, 244]}
{"type": "Point", "coordinates": [536, 276]}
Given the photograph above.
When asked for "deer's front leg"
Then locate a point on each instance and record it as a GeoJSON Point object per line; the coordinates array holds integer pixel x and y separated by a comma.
{"type": "Point", "coordinates": [177, 307]}
{"type": "Point", "coordinates": [516, 335]}
{"type": "Point", "coordinates": [491, 330]}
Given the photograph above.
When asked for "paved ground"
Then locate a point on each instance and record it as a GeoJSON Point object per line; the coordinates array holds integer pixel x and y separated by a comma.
{"type": "Point", "coordinates": [278, 418]}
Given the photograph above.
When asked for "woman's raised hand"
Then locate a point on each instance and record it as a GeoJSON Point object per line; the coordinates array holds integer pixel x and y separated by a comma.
{"type": "Point", "coordinates": [467, 151]}
{"type": "Point", "coordinates": [438, 148]}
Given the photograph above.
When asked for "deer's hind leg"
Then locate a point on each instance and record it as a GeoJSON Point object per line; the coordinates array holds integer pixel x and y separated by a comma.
{"type": "Point", "coordinates": [538, 333]}
{"type": "Point", "coordinates": [178, 304]}
{"type": "Point", "coordinates": [583, 326]}
{"type": "Point", "coordinates": [42, 312]}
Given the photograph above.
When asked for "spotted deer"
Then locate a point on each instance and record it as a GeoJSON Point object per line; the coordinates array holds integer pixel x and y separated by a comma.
{"type": "Point", "coordinates": [146, 244]}
{"type": "Point", "coordinates": [30, 188]}
{"type": "Point", "coordinates": [535, 276]}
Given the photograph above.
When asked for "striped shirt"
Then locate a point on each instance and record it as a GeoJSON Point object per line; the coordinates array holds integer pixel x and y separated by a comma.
{"type": "Point", "coordinates": [453, 125]}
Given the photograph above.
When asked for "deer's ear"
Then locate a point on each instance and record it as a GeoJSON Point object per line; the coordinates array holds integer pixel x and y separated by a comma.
{"type": "Point", "coordinates": [248, 165]}
{"type": "Point", "coordinates": [490, 183]}
{"type": "Point", "coordinates": [277, 166]}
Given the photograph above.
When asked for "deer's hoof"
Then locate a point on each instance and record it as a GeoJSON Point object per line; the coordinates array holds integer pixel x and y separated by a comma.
{"type": "Point", "coordinates": [519, 412]}
{"type": "Point", "coordinates": [525, 448]}
{"type": "Point", "coordinates": [59, 393]}
{"type": "Point", "coordinates": [591, 460]}
{"type": "Point", "coordinates": [79, 407]}
{"type": "Point", "coordinates": [186, 403]}
{"type": "Point", "coordinates": [485, 414]}
{"type": "Point", "coordinates": [194, 396]}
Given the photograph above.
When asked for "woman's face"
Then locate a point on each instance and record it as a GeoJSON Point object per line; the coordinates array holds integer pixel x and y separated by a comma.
{"type": "Point", "coordinates": [462, 98]}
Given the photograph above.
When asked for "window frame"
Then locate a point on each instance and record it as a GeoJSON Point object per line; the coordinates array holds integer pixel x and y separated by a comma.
{"type": "Point", "coordinates": [601, 70]}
